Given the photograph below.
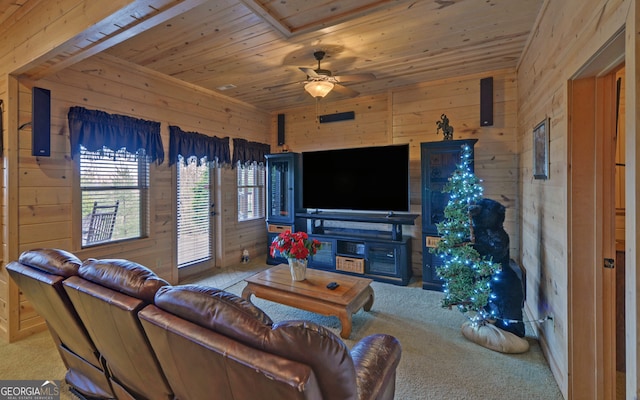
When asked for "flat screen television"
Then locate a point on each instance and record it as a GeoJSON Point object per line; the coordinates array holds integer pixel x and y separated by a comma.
{"type": "Point", "coordinates": [357, 179]}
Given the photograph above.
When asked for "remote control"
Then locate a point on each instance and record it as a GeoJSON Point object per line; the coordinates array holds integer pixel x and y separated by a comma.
{"type": "Point", "coordinates": [332, 285]}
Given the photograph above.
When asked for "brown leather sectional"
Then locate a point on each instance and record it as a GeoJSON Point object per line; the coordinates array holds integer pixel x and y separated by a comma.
{"type": "Point", "coordinates": [125, 333]}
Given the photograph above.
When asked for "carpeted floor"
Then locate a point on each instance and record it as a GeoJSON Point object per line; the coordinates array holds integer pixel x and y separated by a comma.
{"type": "Point", "coordinates": [437, 361]}
{"type": "Point", "coordinates": [34, 358]}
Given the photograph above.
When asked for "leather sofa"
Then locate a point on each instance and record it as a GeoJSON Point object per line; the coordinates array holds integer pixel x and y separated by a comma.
{"type": "Point", "coordinates": [40, 275]}
{"type": "Point", "coordinates": [243, 355]}
{"type": "Point", "coordinates": [108, 294]}
{"type": "Point", "coordinates": [199, 342]}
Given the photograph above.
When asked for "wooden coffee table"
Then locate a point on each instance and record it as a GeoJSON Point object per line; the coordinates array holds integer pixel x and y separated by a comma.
{"type": "Point", "coordinates": [275, 284]}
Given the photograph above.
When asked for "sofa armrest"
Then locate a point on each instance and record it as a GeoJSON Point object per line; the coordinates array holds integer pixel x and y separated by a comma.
{"type": "Point", "coordinates": [376, 358]}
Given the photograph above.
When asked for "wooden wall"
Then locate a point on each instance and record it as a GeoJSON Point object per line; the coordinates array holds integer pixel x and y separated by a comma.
{"type": "Point", "coordinates": [48, 189]}
{"type": "Point", "coordinates": [567, 35]}
{"type": "Point", "coordinates": [4, 277]}
{"type": "Point", "coordinates": [28, 35]}
{"type": "Point", "coordinates": [632, 182]}
{"type": "Point", "coordinates": [409, 115]}
{"type": "Point", "coordinates": [620, 163]}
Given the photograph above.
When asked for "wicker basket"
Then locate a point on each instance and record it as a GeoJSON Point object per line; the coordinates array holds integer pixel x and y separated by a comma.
{"type": "Point", "coordinates": [355, 265]}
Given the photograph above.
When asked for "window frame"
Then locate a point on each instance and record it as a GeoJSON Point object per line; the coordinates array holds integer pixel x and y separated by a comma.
{"type": "Point", "coordinates": [260, 186]}
{"type": "Point", "coordinates": [144, 204]}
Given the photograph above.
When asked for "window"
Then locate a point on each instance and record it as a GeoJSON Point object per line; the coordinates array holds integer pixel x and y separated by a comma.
{"type": "Point", "coordinates": [193, 213]}
{"type": "Point", "coordinates": [114, 186]}
{"type": "Point", "coordinates": [251, 191]}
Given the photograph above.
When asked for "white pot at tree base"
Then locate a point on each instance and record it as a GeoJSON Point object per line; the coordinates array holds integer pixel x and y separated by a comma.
{"type": "Point", "coordinates": [494, 338]}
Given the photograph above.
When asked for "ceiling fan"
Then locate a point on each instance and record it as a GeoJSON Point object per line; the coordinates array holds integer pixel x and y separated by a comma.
{"type": "Point", "coordinates": [320, 81]}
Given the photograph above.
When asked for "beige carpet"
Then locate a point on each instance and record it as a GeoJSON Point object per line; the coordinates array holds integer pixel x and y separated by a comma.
{"type": "Point", "coordinates": [34, 358]}
{"type": "Point", "coordinates": [437, 362]}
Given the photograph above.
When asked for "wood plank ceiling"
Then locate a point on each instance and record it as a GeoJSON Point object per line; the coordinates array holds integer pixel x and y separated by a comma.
{"type": "Point", "coordinates": [254, 48]}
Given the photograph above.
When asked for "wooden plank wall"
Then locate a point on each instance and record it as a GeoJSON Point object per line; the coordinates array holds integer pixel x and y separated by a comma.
{"type": "Point", "coordinates": [4, 276]}
{"type": "Point", "coordinates": [632, 182]}
{"type": "Point", "coordinates": [48, 186]}
{"type": "Point", "coordinates": [409, 115]}
{"type": "Point", "coordinates": [567, 35]}
{"type": "Point", "coordinates": [620, 163]}
{"type": "Point", "coordinates": [250, 235]}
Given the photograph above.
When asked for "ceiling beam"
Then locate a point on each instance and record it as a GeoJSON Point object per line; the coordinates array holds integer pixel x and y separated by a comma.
{"type": "Point", "coordinates": [128, 21]}
{"type": "Point", "coordinates": [290, 29]}
{"type": "Point", "coordinates": [264, 13]}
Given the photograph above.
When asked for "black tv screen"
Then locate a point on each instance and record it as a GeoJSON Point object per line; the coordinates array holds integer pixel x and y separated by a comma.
{"type": "Point", "coordinates": [365, 178]}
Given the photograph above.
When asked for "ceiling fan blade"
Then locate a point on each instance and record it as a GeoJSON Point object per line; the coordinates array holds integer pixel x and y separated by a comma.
{"type": "Point", "coordinates": [310, 72]}
{"type": "Point", "coordinates": [355, 77]}
{"type": "Point", "coordinates": [344, 90]}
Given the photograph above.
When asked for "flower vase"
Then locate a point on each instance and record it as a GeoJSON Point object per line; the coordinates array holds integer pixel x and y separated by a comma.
{"type": "Point", "coordinates": [298, 267]}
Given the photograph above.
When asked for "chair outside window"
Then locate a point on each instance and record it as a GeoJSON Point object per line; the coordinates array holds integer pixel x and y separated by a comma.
{"type": "Point", "coordinates": [100, 223]}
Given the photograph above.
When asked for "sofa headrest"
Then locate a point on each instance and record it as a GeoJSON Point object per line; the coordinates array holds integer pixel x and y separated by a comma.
{"type": "Point", "coordinates": [53, 261]}
{"type": "Point", "coordinates": [123, 276]}
{"type": "Point", "coordinates": [319, 348]}
{"type": "Point", "coordinates": [213, 309]}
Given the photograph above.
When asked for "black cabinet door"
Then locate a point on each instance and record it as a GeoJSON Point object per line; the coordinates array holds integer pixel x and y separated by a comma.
{"type": "Point", "coordinates": [325, 258]}
{"type": "Point", "coordinates": [438, 160]}
{"type": "Point", "coordinates": [383, 259]}
{"type": "Point", "coordinates": [283, 187]}
{"type": "Point", "coordinates": [430, 263]}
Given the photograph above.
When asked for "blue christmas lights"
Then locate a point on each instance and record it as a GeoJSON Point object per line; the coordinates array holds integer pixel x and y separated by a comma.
{"type": "Point", "coordinates": [465, 273]}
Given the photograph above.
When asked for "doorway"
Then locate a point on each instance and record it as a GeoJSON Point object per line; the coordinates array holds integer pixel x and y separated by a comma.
{"type": "Point", "coordinates": [592, 136]}
{"type": "Point", "coordinates": [195, 228]}
{"type": "Point", "coordinates": [620, 212]}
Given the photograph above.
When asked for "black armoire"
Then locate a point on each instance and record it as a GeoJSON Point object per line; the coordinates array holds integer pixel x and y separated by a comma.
{"type": "Point", "coordinates": [438, 160]}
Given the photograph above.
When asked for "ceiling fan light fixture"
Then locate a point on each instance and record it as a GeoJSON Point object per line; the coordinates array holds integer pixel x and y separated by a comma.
{"type": "Point", "coordinates": [318, 88]}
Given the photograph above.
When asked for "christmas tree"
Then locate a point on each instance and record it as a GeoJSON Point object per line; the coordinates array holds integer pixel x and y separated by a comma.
{"type": "Point", "coordinates": [465, 273]}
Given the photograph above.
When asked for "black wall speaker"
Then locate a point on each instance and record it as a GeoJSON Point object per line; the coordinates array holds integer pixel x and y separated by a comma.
{"type": "Point", "coordinates": [486, 101]}
{"type": "Point", "coordinates": [343, 116]}
{"type": "Point", "coordinates": [41, 122]}
{"type": "Point", "coordinates": [280, 129]}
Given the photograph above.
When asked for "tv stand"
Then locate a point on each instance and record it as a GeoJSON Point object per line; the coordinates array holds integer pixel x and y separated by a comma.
{"type": "Point", "coordinates": [395, 220]}
{"type": "Point", "coordinates": [378, 254]}
{"type": "Point", "coordinates": [361, 244]}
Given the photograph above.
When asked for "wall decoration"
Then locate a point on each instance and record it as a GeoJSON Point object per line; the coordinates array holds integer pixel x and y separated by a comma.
{"type": "Point", "coordinates": [541, 150]}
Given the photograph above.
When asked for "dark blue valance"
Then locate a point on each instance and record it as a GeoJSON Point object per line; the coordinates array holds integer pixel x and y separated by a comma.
{"type": "Point", "coordinates": [188, 144]}
{"type": "Point", "coordinates": [248, 152]}
{"type": "Point", "coordinates": [94, 129]}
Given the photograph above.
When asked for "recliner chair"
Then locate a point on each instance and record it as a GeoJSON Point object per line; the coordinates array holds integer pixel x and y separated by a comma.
{"type": "Point", "coordinates": [108, 294]}
{"type": "Point", "coordinates": [214, 344]}
{"type": "Point", "coordinates": [40, 274]}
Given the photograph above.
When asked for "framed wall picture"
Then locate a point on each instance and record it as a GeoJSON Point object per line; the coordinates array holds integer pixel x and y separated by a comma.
{"type": "Point", "coordinates": [541, 150]}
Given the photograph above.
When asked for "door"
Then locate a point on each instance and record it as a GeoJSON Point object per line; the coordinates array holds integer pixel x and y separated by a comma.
{"type": "Point", "coordinates": [194, 211]}
{"type": "Point", "coordinates": [280, 188]}
{"type": "Point", "coordinates": [592, 291]}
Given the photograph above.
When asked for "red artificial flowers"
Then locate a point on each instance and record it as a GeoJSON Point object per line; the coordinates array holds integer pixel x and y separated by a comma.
{"type": "Point", "coordinates": [294, 245]}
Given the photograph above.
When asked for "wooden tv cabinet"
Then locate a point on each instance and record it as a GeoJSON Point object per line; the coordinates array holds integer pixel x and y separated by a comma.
{"type": "Point", "coordinates": [381, 255]}
{"type": "Point", "coordinates": [377, 251]}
